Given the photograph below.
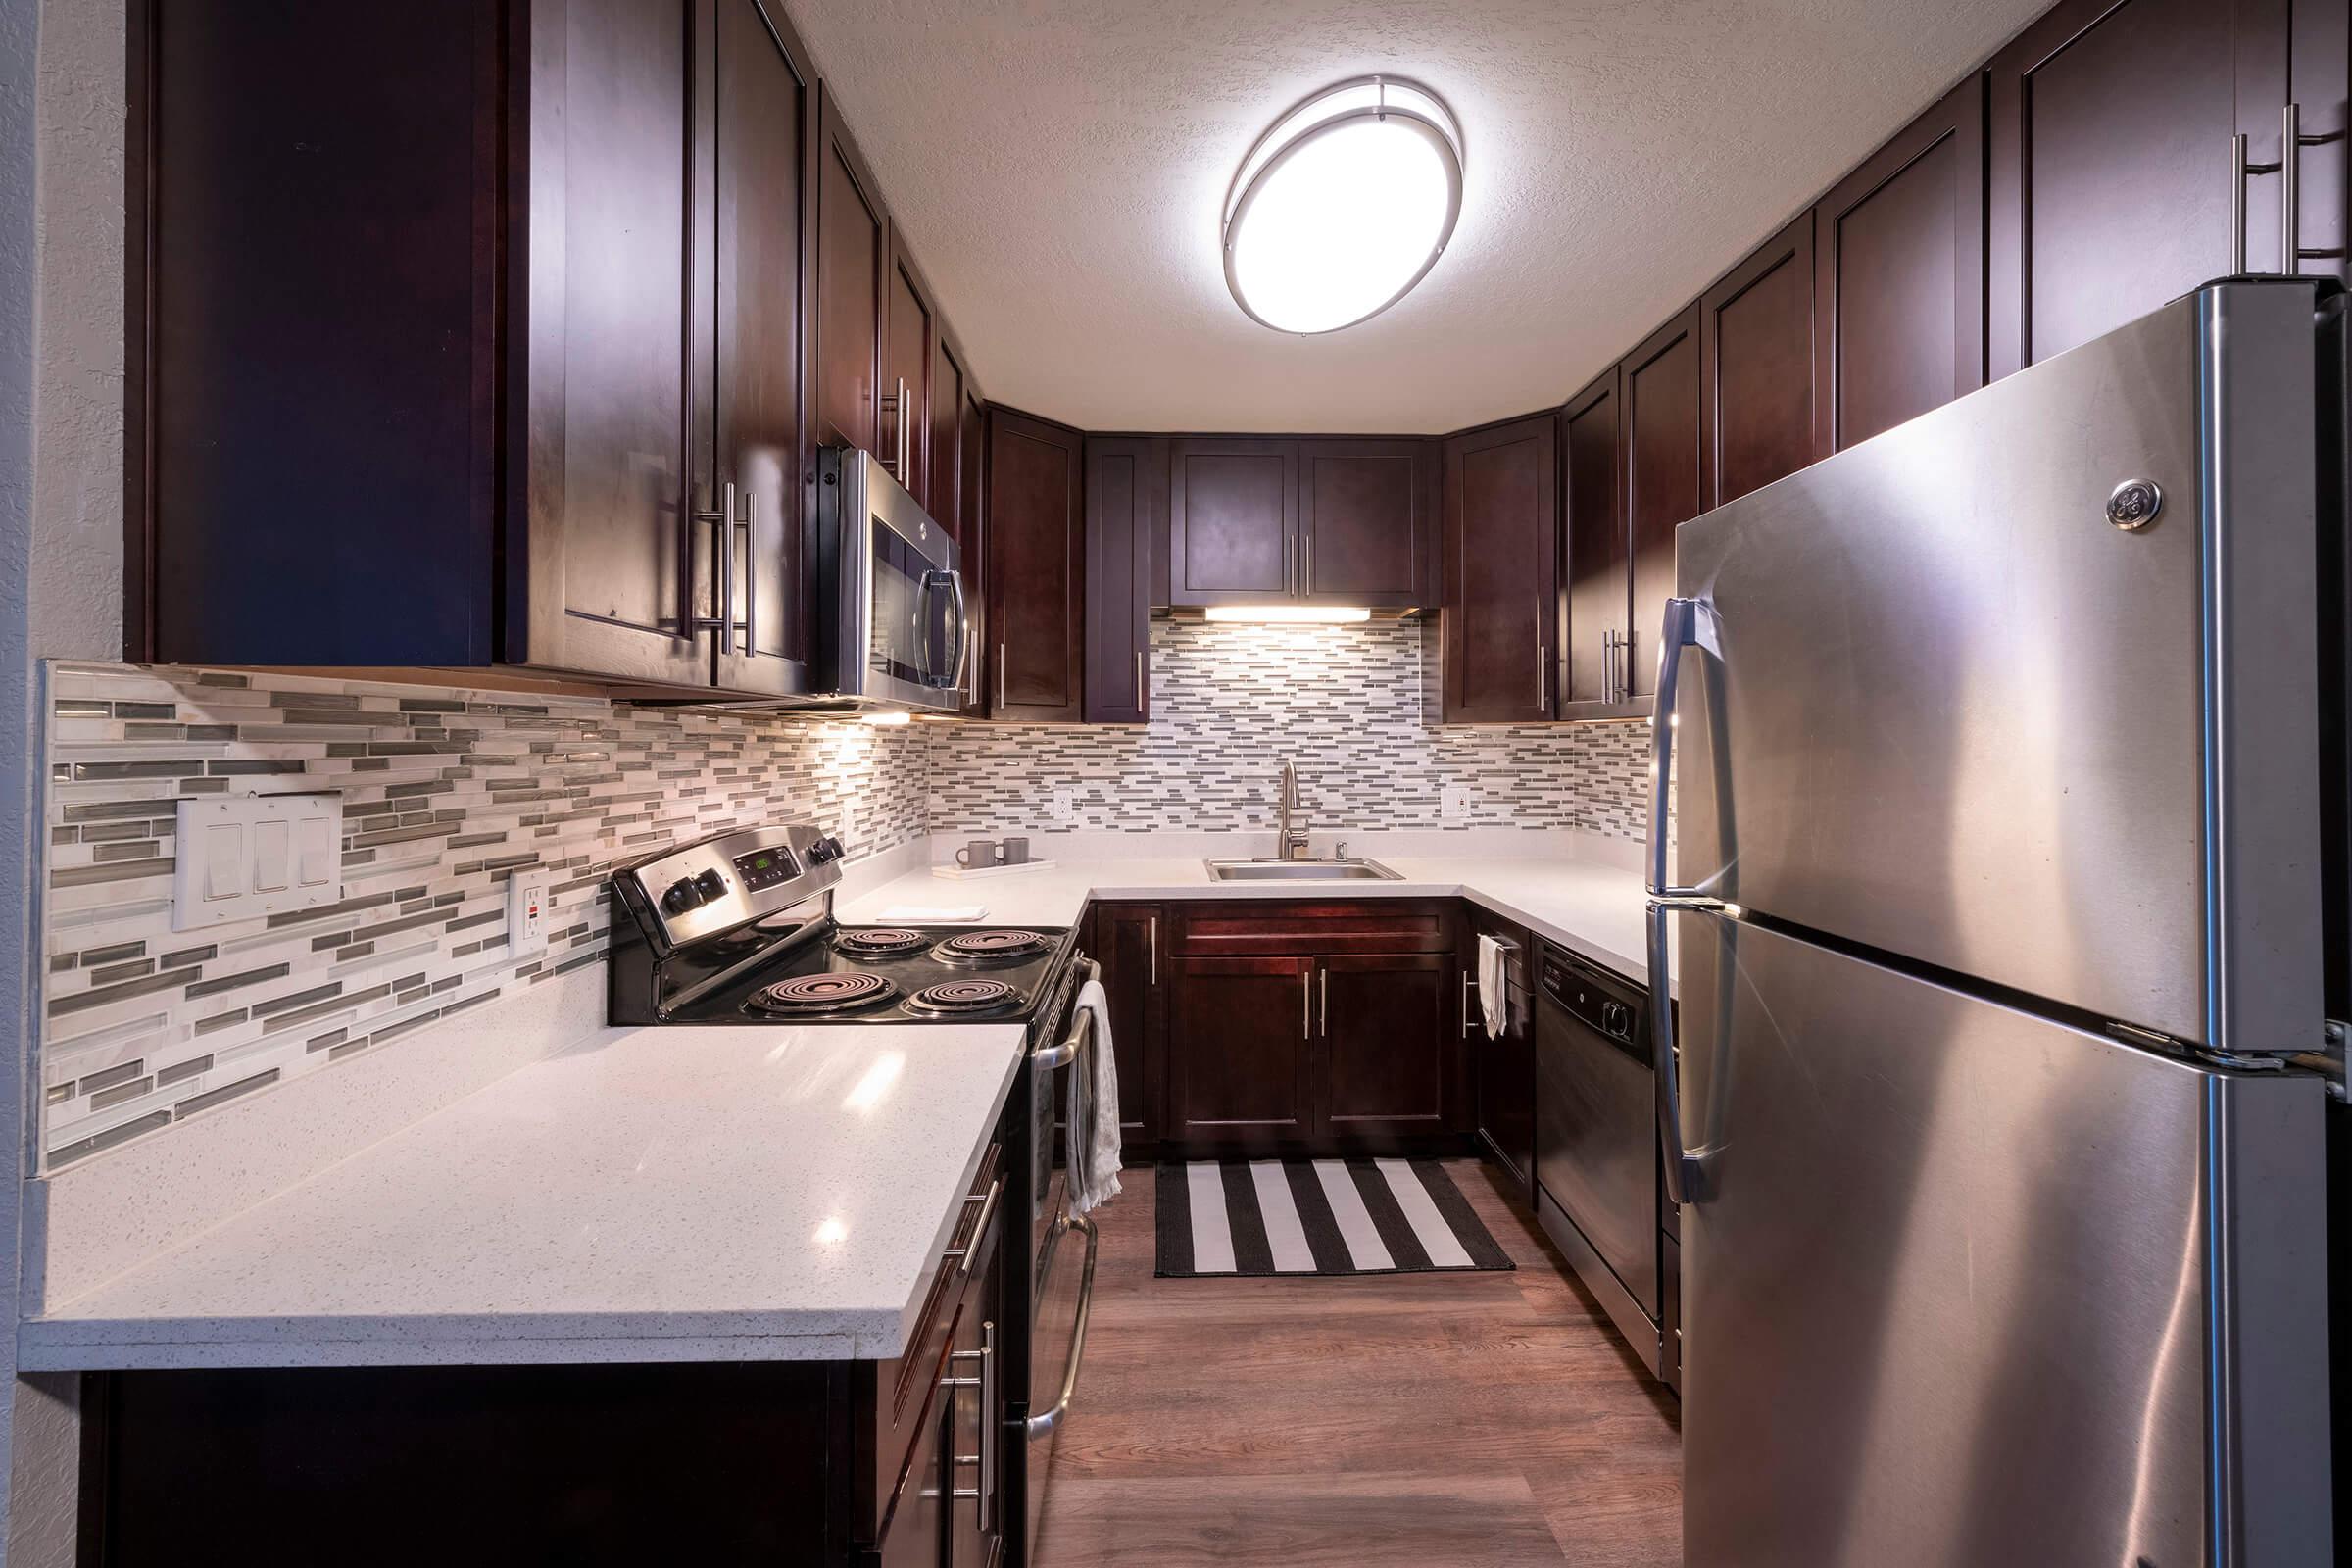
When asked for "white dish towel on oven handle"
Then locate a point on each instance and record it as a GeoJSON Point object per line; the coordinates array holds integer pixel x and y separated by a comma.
{"type": "Point", "coordinates": [1492, 994]}
{"type": "Point", "coordinates": [1095, 1145]}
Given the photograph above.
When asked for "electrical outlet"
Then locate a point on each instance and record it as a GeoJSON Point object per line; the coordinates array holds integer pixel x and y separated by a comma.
{"type": "Point", "coordinates": [527, 911]}
{"type": "Point", "coordinates": [848, 831]}
{"type": "Point", "coordinates": [1453, 802]}
{"type": "Point", "coordinates": [1065, 806]}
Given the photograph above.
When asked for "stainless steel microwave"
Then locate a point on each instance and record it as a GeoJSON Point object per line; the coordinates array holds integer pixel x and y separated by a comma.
{"type": "Point", "coordinates": [891, 621]}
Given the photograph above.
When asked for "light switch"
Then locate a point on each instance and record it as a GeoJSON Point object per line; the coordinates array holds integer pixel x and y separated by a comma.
{"type": "Point", "coordinates": [271, 842]}
{"type": "Point", "coordinates": [223, 851]}
{"type": "Point", "coordinates": [243, 856]}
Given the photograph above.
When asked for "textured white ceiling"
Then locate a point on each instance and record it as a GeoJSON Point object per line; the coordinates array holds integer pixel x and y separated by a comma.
{"type": "Point", "coordinates": [1058, 166]}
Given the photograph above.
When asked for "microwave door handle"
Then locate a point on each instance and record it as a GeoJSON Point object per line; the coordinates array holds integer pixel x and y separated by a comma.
{"type": "Point", "coordinates": [952, 582]}
{"type": "Point", "coordinates": [962, 648]}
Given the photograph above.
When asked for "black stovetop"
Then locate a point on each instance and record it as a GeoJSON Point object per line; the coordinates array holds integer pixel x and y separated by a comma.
{"type": "Point", "coordinates": [921, 974]}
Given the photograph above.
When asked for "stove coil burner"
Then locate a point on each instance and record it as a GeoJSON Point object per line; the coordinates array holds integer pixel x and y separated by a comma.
{"type": "Point", "coordinates": [878, 942]}
{"type": "Point", "coordinates": [988, 946]}
{"type": "Point", "coordinates": [810, 995]}
{"type": "Point", "coordinates": [963, 998]}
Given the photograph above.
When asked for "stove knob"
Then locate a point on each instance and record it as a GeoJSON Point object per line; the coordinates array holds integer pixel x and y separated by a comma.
{"type": "Point", "coordinates": [825, 850]}
{"type": "Point", "coordinates": [711, 885]}
{"type": "Point", "coordinates": [681, 897]}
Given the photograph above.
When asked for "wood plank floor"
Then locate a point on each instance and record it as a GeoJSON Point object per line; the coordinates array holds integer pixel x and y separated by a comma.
{"type": "Point", "coordinates": [1467, 1420]}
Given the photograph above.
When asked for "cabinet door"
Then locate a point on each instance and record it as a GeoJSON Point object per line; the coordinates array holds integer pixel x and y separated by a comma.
{"type": "Point", "coordinates": [1755, 356]}
{"type": "Point", "coordinates": [1239, 1060]}
{"type": "Point", "coordinates": [1596, 597]}
{"type": "Point", "coordinates": [1036, 566]}
{"type": "Point", "coordinates": [2110, 156]}
{"type": "Point", "coordinates": [972, 537]}
{"type": "Point", "coordinates": [1502, 521]}
{"type": "Point", "coordinates": [1662, 475]}
{"type": "Point", "coordinates": [1367, 522]}
{"type": "Point", "coordinates": [852, 234]}
{"type": "Point", "coordinates": [618, 454]}
{"type": "Point", "coordinates": [1898, 290]}
{"type": "Point", "coordinates": [1502, 1067]}
{"type": "Point", "coordinates": [910, 345]}
{"type": "Point", "coordinates": [764, 109]}
{"type": "Point", "coordinates": [1126, 481]}
{"type": "Point", "coordinates": [1233, 522]}
{"type": "Point", "coordinates": [943, 495]}
{"type": "Point", "coordinates": [1391, 1051]}
{"type": "Point", "coordinates": [1125, 942]}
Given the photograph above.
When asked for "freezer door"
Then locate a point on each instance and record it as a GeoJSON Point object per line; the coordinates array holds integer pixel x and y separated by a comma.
{"type": "Point", "coordinates": [1960, 1284]}
{"type": "Point", "coordinates": [1961, 715]}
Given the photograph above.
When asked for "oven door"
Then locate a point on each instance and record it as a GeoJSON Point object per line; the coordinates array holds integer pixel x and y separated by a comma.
{"type": "Point", "coordinates": [900, 636]}
{"type": "Point", "coordinates": [1064, 1246]}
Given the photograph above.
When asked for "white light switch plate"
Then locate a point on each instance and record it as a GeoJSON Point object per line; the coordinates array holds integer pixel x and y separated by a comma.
{"type": "Point", "coordinates": [526, 915]}
{"type": "Point", "coordinates": [242, 856]}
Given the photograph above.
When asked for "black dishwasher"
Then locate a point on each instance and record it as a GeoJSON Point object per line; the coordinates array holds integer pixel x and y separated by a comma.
{"type": "Point", "coordinates": [1597, 1174]}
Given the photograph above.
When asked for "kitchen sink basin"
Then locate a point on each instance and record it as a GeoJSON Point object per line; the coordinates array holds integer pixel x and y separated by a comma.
{"type": "Point", "coordinates": [1300, 871]}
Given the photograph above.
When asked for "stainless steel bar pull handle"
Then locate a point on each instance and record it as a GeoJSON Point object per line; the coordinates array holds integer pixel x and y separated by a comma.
{"type": "Point", "coordinates": [1323, 1002]}
{"type": "Point", "coordinates": [1683, 1169]}
{"type": "Point", "coordinates": [2291, 227]}
{"type": "Point", "coordinates": [1141, 700]}
{"type": "Point", "coordinates": [2239, 169]}
{"type": "Point", "coordinates": [1465, 1030]}
{"type": "Point", "coordinates": [751, 565]}
{"type": "Point", "coordinates": [1000, 672]}
{"type": "Point", "coordinates": [722, 523]}
{"type": "Point", "coordinates": [985, 1462]}
{"type": "Point", "coordinates": [1689, 623]}
{"type": "Point", "coordinates": [1306, 1005]}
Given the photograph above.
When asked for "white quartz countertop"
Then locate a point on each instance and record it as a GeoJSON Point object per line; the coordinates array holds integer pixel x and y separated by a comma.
{"type": "Point", "coordinates": [670, 1194]}
{"type": "Point", "coordinates": [1586, 906]}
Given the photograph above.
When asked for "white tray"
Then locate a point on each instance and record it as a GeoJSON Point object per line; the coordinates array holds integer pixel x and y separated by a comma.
{"type": "Point", "coordinates": [965, 873]}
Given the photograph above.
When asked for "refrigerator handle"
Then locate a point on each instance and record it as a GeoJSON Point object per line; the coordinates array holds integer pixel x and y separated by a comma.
{"type": "Point", "coordinates": [1683, 1171]}
{"type": "Point", "coordinates": [1689, 623]}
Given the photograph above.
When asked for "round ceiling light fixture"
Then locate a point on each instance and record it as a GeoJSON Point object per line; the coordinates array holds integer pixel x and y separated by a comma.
{"type": "Point", "coordinates": [1343, 206]}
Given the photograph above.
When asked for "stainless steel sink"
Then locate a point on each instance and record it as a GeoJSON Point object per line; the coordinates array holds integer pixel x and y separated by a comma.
{"type": "Point", "coordinates": [1300, 871]}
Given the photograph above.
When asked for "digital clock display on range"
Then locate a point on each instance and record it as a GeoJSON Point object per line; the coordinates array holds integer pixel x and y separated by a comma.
{"type": "Point", "coordinates": [764, 868]}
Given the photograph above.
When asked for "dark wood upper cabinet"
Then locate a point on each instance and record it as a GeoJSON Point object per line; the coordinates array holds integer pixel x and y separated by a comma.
{"type": "Point", "coordinates": [1501, 515]}
{"type": "Point", "coordinates": [502, 428]}
{"type": "Point", "coordinates": [1596, 585]}
{"type": "Point", "coordinates": [2110, 134]}
{"type": "Point", "coordinates": [1036, 568]}
{"type": "Point", "coordinates": [1126, 485]}
{"type": "Point", "coordinates": [1233, 520]}
{"type": "Point", "coordinates": [765, 277]}
{"type": "Point", "coordinates": [972, 538]}
{"type": "Point", "coordinates": [1367, 522]}
{"type": "Point", "coordinates": [1664, 476]}
{"type": "Point", "coordinates": [852, 250]}
{"type": "Point", "coordinates": [909, 352]}
{"type": "Point", "coordinates": [943, 495]}
{"type": "Point", "coordinates": [1755, 358]}
{"type": "Point", "coordinates": [1898, 291]}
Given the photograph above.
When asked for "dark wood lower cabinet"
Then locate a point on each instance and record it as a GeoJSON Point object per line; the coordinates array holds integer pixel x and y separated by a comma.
{"type": "Point", "coordinates": [1346, 1041]}
{"type": "Point", "coordinates": [1239, 1064]}
{"type": "Point", "coordinates": [1502, 1067]}
{"type": "Point", "coordinates": [1125, 940]}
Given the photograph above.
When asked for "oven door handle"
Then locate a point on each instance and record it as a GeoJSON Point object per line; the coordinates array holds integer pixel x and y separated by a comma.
{"type": "Point", "coordinates": [1082, 1029]}
{"type": "Point", "coordinates": [1042, 1425]}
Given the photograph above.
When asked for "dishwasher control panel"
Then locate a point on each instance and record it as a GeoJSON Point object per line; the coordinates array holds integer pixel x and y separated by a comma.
{"type": "Point", "coordinates": [1605, 1003]}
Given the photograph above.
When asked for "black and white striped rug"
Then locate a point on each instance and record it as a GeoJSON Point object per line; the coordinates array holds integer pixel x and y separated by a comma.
{"type": "Point", "coordinates": [1316, 1216]}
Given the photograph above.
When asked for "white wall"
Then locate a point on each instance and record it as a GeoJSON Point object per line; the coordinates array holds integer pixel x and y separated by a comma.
{"type": "Point", "coordinates": [62, 141]}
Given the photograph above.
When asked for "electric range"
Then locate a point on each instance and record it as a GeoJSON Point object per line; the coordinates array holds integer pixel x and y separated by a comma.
{"type": "Point", "coordinates": [737, 929]}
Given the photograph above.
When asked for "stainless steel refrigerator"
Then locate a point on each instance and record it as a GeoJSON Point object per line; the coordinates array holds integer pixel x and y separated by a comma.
{"type": "Point", "coordinates": [2002, 753]}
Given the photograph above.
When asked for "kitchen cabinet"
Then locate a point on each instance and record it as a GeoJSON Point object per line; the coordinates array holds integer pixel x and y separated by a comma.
{"type": "Point", "coordinates": [1594, 622]}
{"type": "Point", "coordinates": [1126, 484]}
{"type": "Point", "coordinates": [1241, 1052]}
{"type": "Point", "coordinates": [910, 333]}
{"type": "Point", "coordinates": [1233, 520]}
{"type": "Point", "coordinates": [1314, 1027]}
{"type": "Point", "coordinates": [1368, 523]}
{"type": "Point", "coordinates": [1500, 516]}
{"type": "Point", "coordinates": [1125, 940]}
{"type": "Point", "coordinates": [1036, 568]}
{"type": "Point", "coordinates": [1898, 246]}
{"type": "Point", "coordinates": [1502, 1067]}
{"type": "Point", "coordinates": [853, 247]}
{"type": "Point", "coordinates": [1756, 369]}
{"type": "Point", "coordinates": [944, 469]}
{"type": "Point", "coordinates": [1663, 476]}
{"type": "Point", "coordinates": [971, 537]}
{"type": "Point", "coordinates": [547, 408]}
{"type": "Point", "coordinates": [2110, 154]}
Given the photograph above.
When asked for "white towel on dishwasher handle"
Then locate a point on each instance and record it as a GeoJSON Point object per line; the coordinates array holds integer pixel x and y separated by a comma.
{"type": "Point", "coordinates": [1095, 1143]}
{"type": "Point", "coordinates": [1493, 1000]}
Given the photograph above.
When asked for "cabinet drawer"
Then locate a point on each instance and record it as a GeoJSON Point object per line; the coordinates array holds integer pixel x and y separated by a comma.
{"type": "Point", "coordinates": [1271, 927]}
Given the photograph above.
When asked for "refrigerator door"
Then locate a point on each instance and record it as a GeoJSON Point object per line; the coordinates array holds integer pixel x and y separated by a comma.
{"type": "Point", "coordinates": [1963, 1286]}
{"type": "Point", "coordinates": [1961, 713]}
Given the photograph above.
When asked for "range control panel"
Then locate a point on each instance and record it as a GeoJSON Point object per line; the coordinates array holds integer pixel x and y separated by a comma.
{"type": "Point", "coordinates": [714, 885]}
